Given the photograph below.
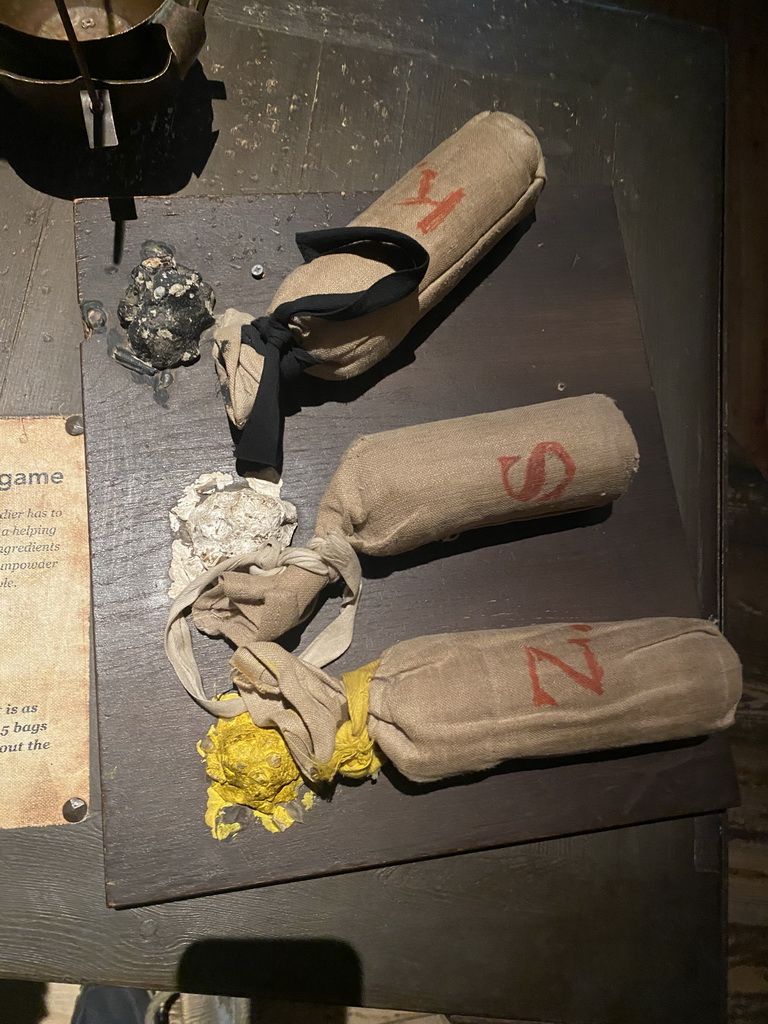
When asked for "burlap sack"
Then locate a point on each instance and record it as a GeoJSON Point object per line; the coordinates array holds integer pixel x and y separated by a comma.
{"type": "Point", "coordinates": [440, 706]}
{"type": "Point", "coordinates": [403, 488]}
{"type": "Point", "coordinates": [457, 202]}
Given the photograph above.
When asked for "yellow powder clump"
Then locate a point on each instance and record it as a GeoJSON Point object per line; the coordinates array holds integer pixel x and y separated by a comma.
{"type": "Point", "coordinates": [252, 766]}
{"type": "Point", "coordinates": [249, 766]}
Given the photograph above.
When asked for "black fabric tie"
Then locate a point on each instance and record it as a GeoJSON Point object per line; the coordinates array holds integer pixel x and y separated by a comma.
{"type": "Point", "coordinates": [284, 360]}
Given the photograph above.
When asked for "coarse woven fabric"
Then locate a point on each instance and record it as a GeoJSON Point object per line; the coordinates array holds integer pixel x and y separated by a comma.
{"type": "Point", "coordinates": [458, 202]}
{"type": "Point", "coordinates": [452, 704]}
{"type": "Point", "coordinates": [403, 488]}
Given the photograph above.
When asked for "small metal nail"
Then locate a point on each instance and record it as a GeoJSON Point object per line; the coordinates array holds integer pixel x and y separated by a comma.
{"type": "Point", "coordinates": [74, 809]}
{"type": "Point", "coordinates": [257, 271]}
{"type": "Point", "coordinates": [74, 425]}
{"type": "Point", "coordinates": [126, 358]}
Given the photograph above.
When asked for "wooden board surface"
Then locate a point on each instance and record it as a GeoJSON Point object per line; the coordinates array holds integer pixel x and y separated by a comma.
{"type": "Point", "coordinates": [549, 316]}
{"type": "Point", "coordinates": [606, 92]}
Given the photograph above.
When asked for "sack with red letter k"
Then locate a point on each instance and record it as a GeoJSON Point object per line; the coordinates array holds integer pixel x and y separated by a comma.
{"type": "Point", "coordinates": [363, 287]}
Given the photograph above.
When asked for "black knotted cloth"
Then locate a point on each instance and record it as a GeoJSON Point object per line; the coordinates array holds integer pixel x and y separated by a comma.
{"type": "Point", "coordinates": [284, 360]}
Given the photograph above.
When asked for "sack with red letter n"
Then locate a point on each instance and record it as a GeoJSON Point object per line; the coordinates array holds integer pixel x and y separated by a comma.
{"type": "Point", "coordinates": [439, 706]}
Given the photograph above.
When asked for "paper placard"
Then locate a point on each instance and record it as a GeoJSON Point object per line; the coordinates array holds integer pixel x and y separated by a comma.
{"type": "Point", "coordinates": [44, 623]}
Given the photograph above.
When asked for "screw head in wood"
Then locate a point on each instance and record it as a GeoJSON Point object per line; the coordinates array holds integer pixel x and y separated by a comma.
{"type": "Point", "coordinates": [257, 271]}
{"type": "Point", "coordinates": [94, 315]}
{"type": "Point", "coordinates": [74, 809]}
{"type": "Point", "coordinates": [74, 425]}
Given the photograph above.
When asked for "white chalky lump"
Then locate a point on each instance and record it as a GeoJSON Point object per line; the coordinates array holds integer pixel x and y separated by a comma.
{"type": "Point", "coordinates": [217, 518]}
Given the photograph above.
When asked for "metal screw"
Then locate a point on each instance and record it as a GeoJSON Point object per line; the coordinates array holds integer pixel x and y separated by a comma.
{"type": "Point", "coordinates": [165, 379]}
{"type": "Point", "coordinates": [257, 271]}
{"type": "Point", "coordinates": [74, 425]}
{"type": "Point", "coordinates": [74, 809]}
{"type": "Point", "coordinates": [95, 316]}
{"type": "Point", "coordinates": [96, 319]}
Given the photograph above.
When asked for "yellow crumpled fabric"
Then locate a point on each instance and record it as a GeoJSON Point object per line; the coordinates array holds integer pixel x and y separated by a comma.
{"type": "Point", "coordinates": [355, 754]}
{"type": "Point", "coordinates": [252, 766]}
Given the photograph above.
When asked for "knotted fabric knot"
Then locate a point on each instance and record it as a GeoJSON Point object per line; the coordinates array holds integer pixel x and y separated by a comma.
{"type": "Point", "coordinates": [284, 362]}
{"type": "Point", "coordinates": [339, 558]}
{"type": "Point", "coordinates": [274, 333]}
{"type": "Point", "coordinates": [331, 556]}
{"type": "Point", "coordinates": [341, 561]}
{"type": "Point", "coordinates": [264, 559]}
{"type": "Point", "coordinates": [270, 331]}
{"type": "Point", "coordinates": [272, 337]}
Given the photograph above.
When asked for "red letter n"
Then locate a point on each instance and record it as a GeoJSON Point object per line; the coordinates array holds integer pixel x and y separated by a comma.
{"type": "Point", "coordinates": [590, 680]}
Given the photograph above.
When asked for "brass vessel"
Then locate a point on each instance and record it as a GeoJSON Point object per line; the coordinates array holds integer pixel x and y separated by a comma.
{"type": "Point", "coordinates": [136, 50]}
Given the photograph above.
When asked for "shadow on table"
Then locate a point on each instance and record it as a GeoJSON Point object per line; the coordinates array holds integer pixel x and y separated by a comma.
{"type": "Point", "coordinates": [309, 971]}
{"type": "Point", "coordinates": [156, 156]}
{"type": "Point", "coordinates": [22, 1002]}
{"type": "Point", "coordinates": [382, 566]}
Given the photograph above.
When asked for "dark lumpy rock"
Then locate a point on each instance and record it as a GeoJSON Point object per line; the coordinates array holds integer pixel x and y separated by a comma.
{"type": "Point", "coordinates": [166, 308]}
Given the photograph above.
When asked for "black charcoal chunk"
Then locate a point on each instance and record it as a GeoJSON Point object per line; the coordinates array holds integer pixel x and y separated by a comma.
{"type": "Point", "coordinates": [166, 308]}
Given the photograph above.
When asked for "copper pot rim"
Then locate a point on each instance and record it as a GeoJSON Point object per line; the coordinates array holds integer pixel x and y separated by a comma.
{"type": "Point", "coordinates": [85, 42]}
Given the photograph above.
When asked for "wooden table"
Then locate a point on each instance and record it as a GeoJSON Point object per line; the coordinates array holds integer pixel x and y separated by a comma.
{"type": "Point", "coordinates": [616, 927]}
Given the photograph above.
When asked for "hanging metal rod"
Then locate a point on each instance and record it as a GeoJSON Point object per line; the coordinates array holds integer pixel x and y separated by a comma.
{"type": "Point", "coordinates": [77, 50]}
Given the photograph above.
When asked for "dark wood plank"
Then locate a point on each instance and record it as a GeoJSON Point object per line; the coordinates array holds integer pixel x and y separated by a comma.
{"type": "Point", "coordinates": [747, 616]}
{"type": "Point", "coordinates": [662, 313]}
{"type": "Point", "coordinates": [748, 992]}
{"type": "Point", "coordinates": [42, 375]}
{"type": "Point", "coordinates": [745, 25]}
{"type": "Point", "coordinates": [599, 883]}
{"type": "Point", "coordinates": [263, 126]}
{"type": "Point", "coordinates": [355, 143]}
{"type": "Point", "coordinates": [25, 213]}
{"type": "Point", "coordinates": [746, 303]}
{"type": "Point", "coordinates": [574, 330]}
